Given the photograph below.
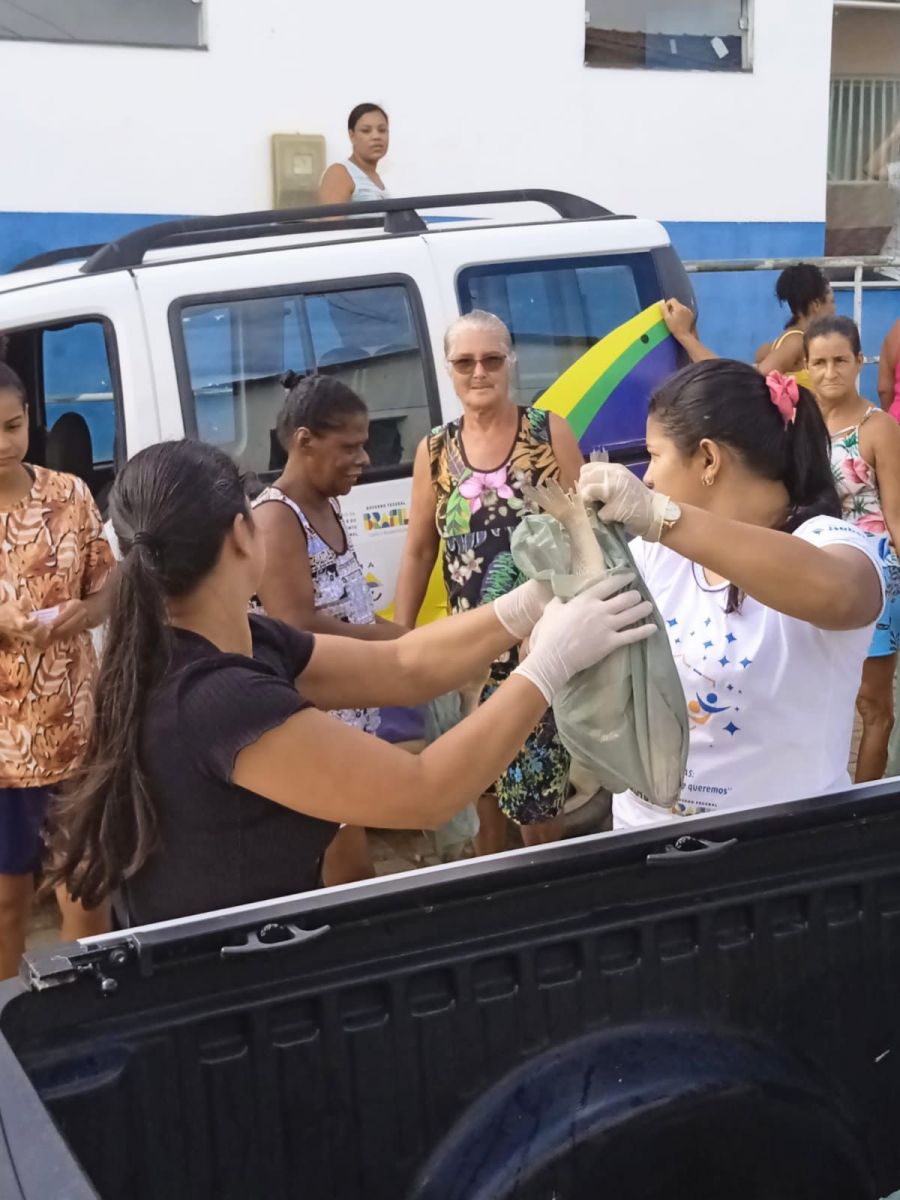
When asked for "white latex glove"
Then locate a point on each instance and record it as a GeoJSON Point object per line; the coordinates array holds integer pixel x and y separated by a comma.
{"type": "Point", "coordinates": [519, 610]}
{"type": "Point", "coordinates": [573, 636]}
{"type": "Point", "coordinates": [623, 499]}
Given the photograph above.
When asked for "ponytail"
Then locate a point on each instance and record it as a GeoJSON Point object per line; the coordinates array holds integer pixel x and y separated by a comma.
{"type": "Point", "coordinates": [108, 826]}
{"type": "Point", "coordinates": [172, 507]}
{"type": "Point", "coordinates": [808, 477]}
{"type": "Point", "coordinates": [800, 287]}
{"type": "Point", "coordinates": [731, 403]}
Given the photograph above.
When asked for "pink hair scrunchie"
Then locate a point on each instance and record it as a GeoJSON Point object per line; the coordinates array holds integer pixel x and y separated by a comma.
{"type": "Point", "coordinates": [784, 394]}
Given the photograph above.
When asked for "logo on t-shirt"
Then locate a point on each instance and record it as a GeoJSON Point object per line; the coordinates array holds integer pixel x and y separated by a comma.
{"type": "Point", "coordinates": [701, 708]}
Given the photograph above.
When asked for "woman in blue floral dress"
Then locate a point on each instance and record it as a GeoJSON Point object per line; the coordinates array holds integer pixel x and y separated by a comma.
{"type": "Point", "coordinates": [466, 502]}
{"type": "Point", "coordinates": [865, 462]}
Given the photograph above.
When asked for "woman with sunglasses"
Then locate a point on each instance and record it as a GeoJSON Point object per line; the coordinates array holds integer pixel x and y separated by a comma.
{"type": "Point", "coordinates": [466, 502]}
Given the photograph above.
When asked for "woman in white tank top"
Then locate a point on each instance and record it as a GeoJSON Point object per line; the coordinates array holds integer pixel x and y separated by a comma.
{"type": "Point", "coordinates": [357, 179]}
{"type": "Point", "coordinates": [312, 578]}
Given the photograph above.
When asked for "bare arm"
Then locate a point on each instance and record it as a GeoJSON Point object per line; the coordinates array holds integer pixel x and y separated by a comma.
{"type": "Point", "coordinates": [762, 352]}
{"type": "Point", "coordinates": [833, 587]}
{"type": "Point", "coordinates": [75, 616]}
{"type": "Point", "coordinates": [887, 366]}
{"type": "Point", "coordinates": [296, 764]}
{"type": "Point", "coordinates": [97, 606]}
{"type": "Point", "coordinates": [790, 356]}
{"type": "Point", "coordinates": [425, 663]}
{"type": "Point", "coordinates": [319, 766]}
{"type": "Point", "coordinates": [286, 589]}
{"type": "Point", "coordinates": [567, 451]}
{"type": "Point", "coordinates": [336, 186]}
{"type": "Point", "coordinates": [682, 324]}
{"type": "Point", "coordinates": [422, 543]}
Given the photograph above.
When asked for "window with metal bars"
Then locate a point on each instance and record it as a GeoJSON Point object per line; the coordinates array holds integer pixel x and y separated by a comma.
{"type": "Point", "coordinates": [864, 114]}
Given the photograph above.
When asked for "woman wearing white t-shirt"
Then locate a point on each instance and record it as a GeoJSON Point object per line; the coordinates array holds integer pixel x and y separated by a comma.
{"type": "Point", "coordinates": [769, 598]}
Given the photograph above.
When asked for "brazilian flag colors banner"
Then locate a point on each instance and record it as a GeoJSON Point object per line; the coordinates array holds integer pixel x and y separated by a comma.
{"type": "Point", "coordinates": [604, 394]}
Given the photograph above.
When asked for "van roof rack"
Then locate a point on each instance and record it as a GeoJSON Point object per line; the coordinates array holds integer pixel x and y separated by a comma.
{"type": "Point", "coordinates": [50, 257]}
{"type": "Point", "coordinates": [394, 216]}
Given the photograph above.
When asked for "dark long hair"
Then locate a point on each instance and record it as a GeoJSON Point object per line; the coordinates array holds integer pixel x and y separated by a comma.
{"type": "Point", "coordinates": [10, 382]}
{"type": "Point", "coordinates": [172, 506]}
{"type": "Point", "coordinates": [729, 402]}
{"type": "Point", "coordinates": [363, 110]}
{"type": "Point", "coordinates": [799, 287]}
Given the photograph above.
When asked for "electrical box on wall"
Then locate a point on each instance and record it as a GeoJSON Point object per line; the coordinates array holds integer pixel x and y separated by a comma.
{"type": "Point", "coordinates": [298, 162]}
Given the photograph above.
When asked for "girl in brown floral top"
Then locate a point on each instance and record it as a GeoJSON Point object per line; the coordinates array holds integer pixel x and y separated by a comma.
{"type": "Point", "coordinates": [466, 502]}
{"type": "Point", "coordinates": [54, 561]}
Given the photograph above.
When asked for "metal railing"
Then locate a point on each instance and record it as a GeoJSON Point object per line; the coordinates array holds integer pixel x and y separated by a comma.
{"type": "Point", "coordinates": [858, 285]}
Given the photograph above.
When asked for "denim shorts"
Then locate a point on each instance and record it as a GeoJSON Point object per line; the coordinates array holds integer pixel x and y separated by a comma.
{"type": "Point", "coordinates": [886, 639]}
{"type": "Point", "coordinates": [22, 815]}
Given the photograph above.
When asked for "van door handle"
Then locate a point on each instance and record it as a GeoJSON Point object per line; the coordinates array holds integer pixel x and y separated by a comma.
{"type": "Point", "coordinates": [277, 935]}
{"type": "Point", "coordinates": [689, 849]}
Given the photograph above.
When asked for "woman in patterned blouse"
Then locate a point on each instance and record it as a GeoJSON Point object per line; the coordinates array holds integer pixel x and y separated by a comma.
{"type": "Point", "coordinates": [466, 502]}
{"type": "Point", "coordinates": [54, 562]}
{"type": "Point", "coordinates": [865, 462]}
{"type": "Point", "coordinates": [313, 579]}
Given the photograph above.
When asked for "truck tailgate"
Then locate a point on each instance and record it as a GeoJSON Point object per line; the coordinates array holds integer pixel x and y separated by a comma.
{"type": "Point", "coordinates": [331, 1065]}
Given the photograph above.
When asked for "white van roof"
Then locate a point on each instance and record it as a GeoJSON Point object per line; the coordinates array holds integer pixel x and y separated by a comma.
{"type": "Point", "coordinates": [505, 213]}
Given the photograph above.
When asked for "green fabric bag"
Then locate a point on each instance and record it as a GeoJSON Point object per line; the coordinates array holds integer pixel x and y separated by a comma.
{"type": "Point", "coordinates": [626, 717]}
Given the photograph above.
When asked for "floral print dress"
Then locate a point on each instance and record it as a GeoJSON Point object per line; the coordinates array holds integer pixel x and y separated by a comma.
{"type": "Point", "coordinates": [477, 512]}
{"type": "Point", "coordinates": [857, 487]}
{"type": "Point", "coordinates": [52, 549]}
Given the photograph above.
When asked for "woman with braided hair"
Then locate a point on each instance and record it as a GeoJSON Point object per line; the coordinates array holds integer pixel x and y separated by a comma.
{"type": "Point", "coordinates": [313, 579]}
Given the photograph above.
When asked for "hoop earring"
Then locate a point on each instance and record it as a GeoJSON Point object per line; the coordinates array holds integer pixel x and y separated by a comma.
{"type": "Point", "coordinates": [707, 480]}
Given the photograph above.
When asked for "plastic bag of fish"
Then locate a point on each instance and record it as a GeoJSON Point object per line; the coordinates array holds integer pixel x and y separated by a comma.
{"type": "Point", "coordinates": [626, 717]}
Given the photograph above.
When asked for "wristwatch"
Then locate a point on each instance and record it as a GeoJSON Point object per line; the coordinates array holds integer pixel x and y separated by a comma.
{"type": "Point", "coordinates": [670, 517]}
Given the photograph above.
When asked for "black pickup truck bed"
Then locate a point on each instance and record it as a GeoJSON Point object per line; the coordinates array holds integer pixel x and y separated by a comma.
{"type": "Point", "coordinates": [609, 1016]}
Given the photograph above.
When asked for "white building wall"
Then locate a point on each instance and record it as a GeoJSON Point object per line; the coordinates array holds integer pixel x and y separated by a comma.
{"type": "Point", "coordinates": [481, 93]}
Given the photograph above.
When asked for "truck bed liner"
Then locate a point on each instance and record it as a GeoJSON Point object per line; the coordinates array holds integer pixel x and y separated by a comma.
{"type": "Point", "coordinates": [332, 1066]}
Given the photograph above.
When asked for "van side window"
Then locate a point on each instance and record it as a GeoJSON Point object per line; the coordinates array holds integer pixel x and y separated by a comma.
{"type": "Point", "coordinates": [236, 350]}
{"type": "Point", "coordinates": [67, 372]}
{"type": "Point", "coordinates": [557, 309]}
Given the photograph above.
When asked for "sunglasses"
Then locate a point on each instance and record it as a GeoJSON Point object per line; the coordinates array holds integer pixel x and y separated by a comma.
{"type": "Point", "coordinates": [466, 363]}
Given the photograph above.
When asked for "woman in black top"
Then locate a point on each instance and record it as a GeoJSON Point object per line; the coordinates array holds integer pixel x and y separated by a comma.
{"type": "Point", "coordinates": [212, 779]}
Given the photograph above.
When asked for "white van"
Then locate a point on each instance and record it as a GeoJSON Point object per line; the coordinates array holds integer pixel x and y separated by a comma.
{"type": "Point", "coordinates": [184, 328]}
